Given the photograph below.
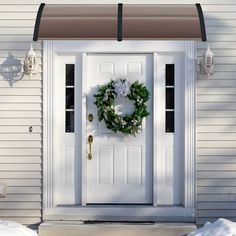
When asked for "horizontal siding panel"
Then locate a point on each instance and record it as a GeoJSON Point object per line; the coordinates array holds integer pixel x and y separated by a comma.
{"type": "Point", "coordinates": [22, 182]}
{"type": "Point", "coordinates": [216, 144]}
{"type": "Point", "coordinates": [216, 136]}
{"type": "Point", "coordinates": [22, 84]}
{"type": "Point", "coordinates": [215, 213]}
{"type": "Point", "coordinates": [215, 113]}
{"type": "Point", "coordinates": [218, 45]}
{"type": "Point", "coordinates": [28, 137]}
{"type": "Point", "coordinates": [219, 8]}
{"type": "Point", "coordinates": [220, 75]}
{"type": "Point", "coordinates": [18, 8]}
{"type": "Point", "coordinates": [214, 98]}
{"type": "Point", "coordinates": [20, 167]}
{"type": "Point", "coordinates": [24, 190]}
{"type": "Point", "coordinates": [216, 129]}
{"type": "Point", "coordinates": [12, 121]}
{"type": "Point", "coordinates": [16, 52]}
{"type": "Point", "coordinates": [25, 78]}
{"type": "Point", "coordinates": [216, 205]}
{"type": "Point", "coordinates": [20, 159]}
{"type": "Point", "coordinates": [218, 53]}
{"type": "Point", "coordinates": [20, 99]}
{"type": "Point", "coordinates": [216, 190]}
{"type": "Point", "coordinates": [216, 106]}
{"type": "Point", "coordinates": [216, 159]}
{"type": "Point", "coordinates": [29, 23]}
{"type": "Point", "coordinates": [225, 60]}
{"type": "Point", "coordinates": [20, 91]}
{"type": "Point", "coordinates": [18, 15]}
{"type": "Point", "coordinates": [17, 30]}
{"type": "Point", "coordinates": [217, 198]}
{"type": "Point", "coordinates": [20, 174]}
{"type": "Point", "coordinates": [220, 61]}
{"type": "Point", "coordinates": [216, 167]}
{"type": "Point", "coordinates": [217, 83]}
{"type": "Point", "coordinates": [221, 38]}
{"type": "Point", "coordinates": [20, 205]}
{"type": "Point", "coordinates": [13, 61]}
{"type": "Point", "coordinates": [4, 69]}
{"type": "Point", "coordinates": [221, 30]}
{"type": "Point", "coordinates": [25, 213]}
{"type": "Point", "coordinates": [220, 15]}
{"type": "Point", "coordinates": [216, 121]}
{"type": "Point", "coordinates": [19, 45]}
{"type": "Point", "coordinates": [15, 38]}
{"type": "Point", "coordinates": [20, 152]}
{"type": "Point", "coordinates": [20, 114]}
{"type": "Point", "coordinates": [217, 22]}
{"type": "Point", "coordinates": [225, 68]}
{"type": "Point", "coordinates": [20, 144]}
{"type": "Point", "coordinates": [216, 151]}
{"type": "Point", "coordinates": [216, 183]}
{"type": "Point", "coordinates": [20, 107]}
{"type": "Point", "coordinates": [215, 91]}
{"type": "Point", "coordinates": [19, 129]}
{"type": "Point", "coordinates": [21, 198]}
{"type": "Point", "coordinates": [214, 174]}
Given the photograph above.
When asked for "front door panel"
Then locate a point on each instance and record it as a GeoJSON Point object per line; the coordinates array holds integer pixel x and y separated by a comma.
{"type": "Point", "coordinates": [120, 171]}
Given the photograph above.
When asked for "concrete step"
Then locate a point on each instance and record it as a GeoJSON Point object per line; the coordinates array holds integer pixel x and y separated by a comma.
{"type": "Point", "coordinates": [114, 229]}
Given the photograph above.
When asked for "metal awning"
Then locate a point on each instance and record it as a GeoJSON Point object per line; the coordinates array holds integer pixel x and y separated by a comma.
{"type": "Point", "coordinates": [122, 21]}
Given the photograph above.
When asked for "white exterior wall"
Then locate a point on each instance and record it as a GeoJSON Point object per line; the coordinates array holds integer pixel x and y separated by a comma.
{"type": "Point", "coordinates": [21, 107]}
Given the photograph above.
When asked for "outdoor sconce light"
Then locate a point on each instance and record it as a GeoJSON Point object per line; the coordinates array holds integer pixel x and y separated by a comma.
{"type": "Point", "coordinates": [207, 63]}
{"type": "Point", "coordinates": [30, 62]}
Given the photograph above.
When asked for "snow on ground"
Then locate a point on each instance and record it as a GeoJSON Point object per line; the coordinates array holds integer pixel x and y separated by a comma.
{"type": "Point", "coordinates": [10, 228]}
{"type": "Point", "coordinates": [220, 227]}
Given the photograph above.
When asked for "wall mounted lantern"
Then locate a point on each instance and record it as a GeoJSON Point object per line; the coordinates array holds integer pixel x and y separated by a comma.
{"type": "Point", "coordinates": [30, 62]}
{"type": "Point", "coordinates": [207, 63]}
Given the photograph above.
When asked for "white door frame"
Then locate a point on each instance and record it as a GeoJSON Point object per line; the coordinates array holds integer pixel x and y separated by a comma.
{"type": "Point", "coordinates": [185, 213]}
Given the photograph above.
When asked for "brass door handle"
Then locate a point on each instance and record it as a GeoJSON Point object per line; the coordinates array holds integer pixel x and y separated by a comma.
{"type": "Point", "coordinates": [90, 141]}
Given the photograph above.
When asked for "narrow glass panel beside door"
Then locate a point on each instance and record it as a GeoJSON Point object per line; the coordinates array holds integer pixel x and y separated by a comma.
{"type": "Point", "coordinates": [70, 100]}
{"type": "Point", "coordinates": [170, 98]}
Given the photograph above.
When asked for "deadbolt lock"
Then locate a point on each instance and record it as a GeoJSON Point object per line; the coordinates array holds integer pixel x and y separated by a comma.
{"type": "Point", "coordinates": [90, 117]}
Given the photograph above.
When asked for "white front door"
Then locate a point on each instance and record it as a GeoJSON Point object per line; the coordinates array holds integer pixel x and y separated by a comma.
{"type": "Point", "coordinates": [121, 168]}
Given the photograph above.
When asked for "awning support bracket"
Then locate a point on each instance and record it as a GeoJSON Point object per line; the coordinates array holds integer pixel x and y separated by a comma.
{"type": "Point", "coordinates": [37, 22]}
{"type": "Point", "coordinates": [119, 21]}
{"type": "Point", "coordinates": [202, 23]}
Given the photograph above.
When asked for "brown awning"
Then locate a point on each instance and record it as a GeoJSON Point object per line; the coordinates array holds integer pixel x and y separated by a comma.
{"type": "Point", "coordinates": [122, 21]}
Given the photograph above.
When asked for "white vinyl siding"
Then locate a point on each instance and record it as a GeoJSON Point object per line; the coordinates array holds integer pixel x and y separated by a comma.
{"type": "Point", "coordinates": [21, 107]}
{"type": "Point", "coordinates": [216, 117]}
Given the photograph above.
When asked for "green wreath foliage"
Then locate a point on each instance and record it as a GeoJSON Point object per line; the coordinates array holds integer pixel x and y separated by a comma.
{"type": "Point", "coordinates": [128, 124]}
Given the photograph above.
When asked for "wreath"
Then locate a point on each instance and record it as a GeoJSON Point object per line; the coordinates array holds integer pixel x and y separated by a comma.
{"type": "Point", "coordinates": [104, 100]}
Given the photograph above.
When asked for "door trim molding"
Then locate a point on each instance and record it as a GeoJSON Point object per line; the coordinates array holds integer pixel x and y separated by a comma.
{"type": "Point", "coordinates": [53, 48]}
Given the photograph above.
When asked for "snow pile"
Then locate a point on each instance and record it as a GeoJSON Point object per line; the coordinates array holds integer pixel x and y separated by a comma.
{"type": "Point", "coordinates": [9, 228]}
{"type": "Point", "coordinates": [220, 227]}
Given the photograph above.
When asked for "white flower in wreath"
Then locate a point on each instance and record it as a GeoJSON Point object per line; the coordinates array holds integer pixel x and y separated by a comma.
{"type": "Point", "coordinates": [122, 88]}
{"type": "Point", "coordinates": [105, 97]}
{"type": "Point", "coordinates": [134, 122]}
